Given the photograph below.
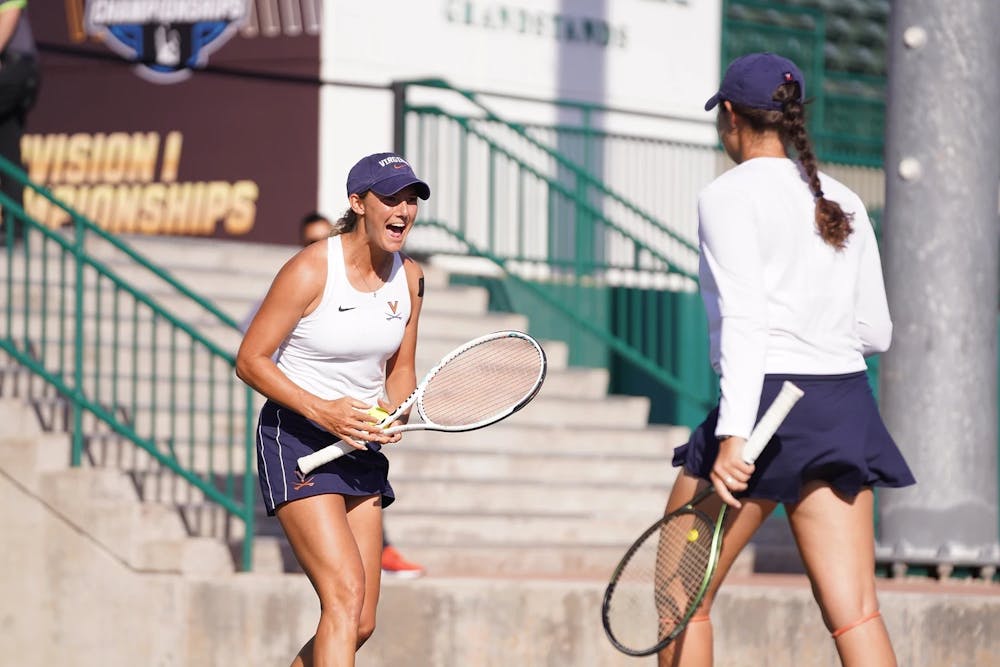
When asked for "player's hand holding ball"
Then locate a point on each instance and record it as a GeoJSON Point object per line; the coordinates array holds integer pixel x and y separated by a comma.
{"type": "Point", "coordinates": [378, 413]}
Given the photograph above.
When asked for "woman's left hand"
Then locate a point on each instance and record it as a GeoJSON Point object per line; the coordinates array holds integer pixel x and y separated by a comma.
{"type": "Point", "coordinates": [730, 473]}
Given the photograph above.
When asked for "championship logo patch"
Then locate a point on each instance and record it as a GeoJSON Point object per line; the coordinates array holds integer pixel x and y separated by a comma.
{"type": "Point", "coordinates": [167, 38]}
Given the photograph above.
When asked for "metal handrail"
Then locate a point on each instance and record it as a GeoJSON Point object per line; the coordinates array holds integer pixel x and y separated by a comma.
{"type": "Point", "coordinates": [569, 285]}
{"type": "Point", "coordinates": [88, 388]}
{"type": "Point", "coordinates": [578, 170]}
{"type": "Point", "coordinates": [562, 189]}
{"type": "Point", "coordinates": [679, 385]}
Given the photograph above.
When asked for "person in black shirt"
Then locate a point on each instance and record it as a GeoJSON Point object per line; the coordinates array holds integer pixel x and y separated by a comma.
{"type": "Point", "coordinates": [19, 79]}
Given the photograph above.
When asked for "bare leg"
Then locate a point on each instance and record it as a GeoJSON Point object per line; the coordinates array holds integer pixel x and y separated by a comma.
{"type": "Point", "coordinates": [321, 538]}
{"type": "Point", "coordinates": [365, 518]}
{"type": "Point", "coordinates": [836, 538]}
{"type": "Point", "coordinates": [693, 648]}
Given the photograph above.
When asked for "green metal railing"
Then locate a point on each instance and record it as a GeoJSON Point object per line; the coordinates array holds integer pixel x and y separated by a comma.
{"type": "Point", "coordinates": [122, 366]}
{"type": "Point", "coordinates": [627, 322]}
{"type": "Point", "coordinates": [582, 260]}
{"type": "Point", "coordinates": [539, 157]}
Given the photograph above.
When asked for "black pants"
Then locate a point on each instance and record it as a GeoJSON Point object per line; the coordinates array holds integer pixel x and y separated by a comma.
{"type": "Point", "coordinates": [19, 80]}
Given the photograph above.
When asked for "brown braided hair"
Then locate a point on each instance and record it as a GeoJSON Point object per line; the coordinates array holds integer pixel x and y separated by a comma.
{"type": "Point", "coordinates": [833, 223]}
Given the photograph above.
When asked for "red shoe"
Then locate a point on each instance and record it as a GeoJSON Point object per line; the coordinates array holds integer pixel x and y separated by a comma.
{"type": "Point", "coordinates": [394, 564]}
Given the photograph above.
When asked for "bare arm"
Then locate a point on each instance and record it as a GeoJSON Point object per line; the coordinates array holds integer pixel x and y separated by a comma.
{"type": "Point", "coordinates": [8, 22]}
{"type": "Point", "coordinates": [401, 372]}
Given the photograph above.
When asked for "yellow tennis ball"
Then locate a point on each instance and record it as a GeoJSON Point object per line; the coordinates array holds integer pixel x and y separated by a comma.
{"type": "Point", "coordinates": [693, 535]}
{"type": "Point", "coordinates": [378, 413]}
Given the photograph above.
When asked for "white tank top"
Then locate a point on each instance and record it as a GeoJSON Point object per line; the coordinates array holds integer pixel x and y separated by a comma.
{"type": "Point", "coordinates": [340, 349]}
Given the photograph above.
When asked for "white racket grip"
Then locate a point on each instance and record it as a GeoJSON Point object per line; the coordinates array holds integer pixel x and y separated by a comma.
{"type": "Point", "coordinates": [770, 421]}
{"type": "Point", "coordinates": [310, 462]}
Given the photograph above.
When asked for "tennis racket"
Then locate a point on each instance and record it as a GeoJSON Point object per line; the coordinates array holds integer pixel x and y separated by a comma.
{"type": "Point", "coordinates": [665, 574]}
{"type": "Point", "coordinates": [477, 384]}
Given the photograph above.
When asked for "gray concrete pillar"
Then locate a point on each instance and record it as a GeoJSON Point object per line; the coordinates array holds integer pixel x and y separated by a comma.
{"type": "Point", "coordinates": [939, 379]}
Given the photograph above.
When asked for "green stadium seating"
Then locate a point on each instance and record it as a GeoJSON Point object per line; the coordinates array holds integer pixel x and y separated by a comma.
{"type": "Point", "coordinates": [851, 36]}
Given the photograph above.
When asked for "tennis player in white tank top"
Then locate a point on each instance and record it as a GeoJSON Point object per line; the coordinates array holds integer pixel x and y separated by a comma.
{"type": "Point", "coordinates": [335, 335]}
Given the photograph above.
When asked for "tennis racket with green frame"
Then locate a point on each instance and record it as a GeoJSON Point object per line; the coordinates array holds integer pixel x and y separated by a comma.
{"type": "Point", "coordinates": [663, 577]}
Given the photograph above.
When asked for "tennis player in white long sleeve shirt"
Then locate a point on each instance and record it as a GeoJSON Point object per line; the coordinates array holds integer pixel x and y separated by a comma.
{"type": "Point", "coordinates": [792, 283]}
{"type": "Point", "coordinates": [769, 315]}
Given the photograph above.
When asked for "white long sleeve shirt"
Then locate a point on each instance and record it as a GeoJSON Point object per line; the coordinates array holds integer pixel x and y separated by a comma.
{"type": "Point", "coordinates": [779, 298]}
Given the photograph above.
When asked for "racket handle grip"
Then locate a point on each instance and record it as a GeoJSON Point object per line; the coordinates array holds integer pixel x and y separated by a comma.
{"type": "Point", "coordinates": [310, 462]}
{"type": "Point", "coordinates": [769, 423]}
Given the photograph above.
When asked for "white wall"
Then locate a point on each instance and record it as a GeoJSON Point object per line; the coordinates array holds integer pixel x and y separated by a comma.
{"type": "Point", "coordinates": [657, 56]}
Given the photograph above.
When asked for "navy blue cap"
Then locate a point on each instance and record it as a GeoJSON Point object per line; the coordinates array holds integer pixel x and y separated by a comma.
{"type": "Point", "coordinates": [384, 174]}
{"type": "Point", "coordinates": [751, 80]}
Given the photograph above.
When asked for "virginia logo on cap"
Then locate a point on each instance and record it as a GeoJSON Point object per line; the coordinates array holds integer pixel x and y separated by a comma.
{"type": "Point", "coordinates": [385, 174]}
{"type": "Point", "coordinates": [393, 159]}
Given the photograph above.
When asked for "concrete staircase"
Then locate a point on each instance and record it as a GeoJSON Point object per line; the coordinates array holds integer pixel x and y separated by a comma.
{"type": "Point", "coordinates": [559, 489]}
{"type": "Point", "coordinates": [120, 563]}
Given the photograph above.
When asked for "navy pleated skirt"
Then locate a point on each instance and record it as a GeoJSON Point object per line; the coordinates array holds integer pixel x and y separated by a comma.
{"type": "Point", "coordinates": [834, 433]}
{"type": "Point", "coordinates": [284, 435]}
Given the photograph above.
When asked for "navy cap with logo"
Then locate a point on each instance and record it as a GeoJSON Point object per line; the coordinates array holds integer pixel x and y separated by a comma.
{"type": "Point", "coordinates": [751, 80]}
{"type": "Point", "coordinates": [384, 174]}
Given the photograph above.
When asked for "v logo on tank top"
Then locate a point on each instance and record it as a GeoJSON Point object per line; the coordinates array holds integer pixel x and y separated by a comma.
{"type": "Point", "coordinates": [393, 315]}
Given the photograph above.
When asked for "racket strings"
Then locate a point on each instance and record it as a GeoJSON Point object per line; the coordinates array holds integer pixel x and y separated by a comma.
{"type": "Point", "coordinates": [482, 382]}
{"type": "Point", "coordinates": [660, 585]}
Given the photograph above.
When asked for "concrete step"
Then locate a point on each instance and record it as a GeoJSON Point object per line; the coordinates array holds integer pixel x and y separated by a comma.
{"type": "Point", "coordinates": [630, 412]}
{"type": "Point", "coordinates": [553, 560]}
{"type": "Point", "coordinates": [519, 439]}
{"type": "Point", "coordinates": [438, 334]}
{"type": "Point", "coordinates": [453, 494]}
{"type": "Point", "coordinates": [441, 462]}
{"type": "Point", "coordinates": [103, 503]}
{"type": "Point", "coordinates": [458, 301]}
{"type": "Point", "coordinates": [53, 274]}
{"type": "Point", "coordinates": [195, 253]}
{"type": "Point", "coordinates": [198, 259]}
{"type": "Point", "coordinates": [185, 358]}
{"type": "Point", "coordinates": [16, 417]}
{"type": "Point", "coordinates": [27, 453]}
{"type": "Point", "coordinates": [758, 621]}
{"type": "Point", "coordinates": [515, 528]}
{"type": "Point", "coordinates": [514, 439]}
{"type": "Point", "coordinates": [426, 451]}
{"type": "Point", "coordinates": [443, 323]}
{"type": "Point", "coordinates": [191, 260]}
{"type": "Point", "coordinates": [209, 460]}
{"type": "Point", "coordinates": [160, 421]}
{"type": "Point", "coordinates": [272, 554]}
{"type": "Point", "coordinates": [486, 473]}
{"type": "Point", "coordinates": [221, 391]}
{"type": "Point", "coordinates": [432, 463]}
{"type": "Point", "coordinates": [186, 410]}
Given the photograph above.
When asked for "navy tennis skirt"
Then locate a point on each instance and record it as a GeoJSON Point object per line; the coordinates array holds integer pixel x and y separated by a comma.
{"type": "Point", "coordinates": [834, 433]}
{"type": "Point", "coordinates": [284, 435]}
